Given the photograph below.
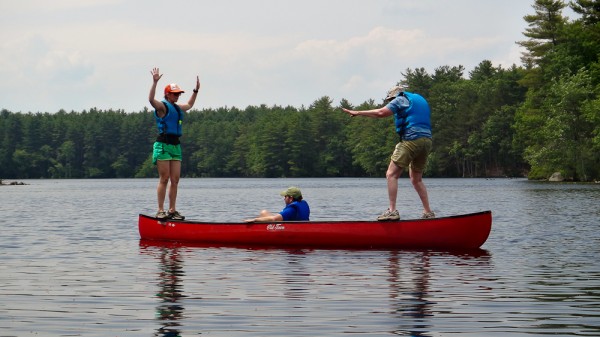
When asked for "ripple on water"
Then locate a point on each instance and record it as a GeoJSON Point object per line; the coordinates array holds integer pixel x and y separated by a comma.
{"type": "Point", "coordinates": [72, 264]}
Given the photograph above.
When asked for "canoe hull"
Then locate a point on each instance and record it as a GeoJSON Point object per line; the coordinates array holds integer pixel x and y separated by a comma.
{"type": "Point", "coordinates": [467, 231]}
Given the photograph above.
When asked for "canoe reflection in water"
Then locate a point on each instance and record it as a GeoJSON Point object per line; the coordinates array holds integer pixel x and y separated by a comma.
{"type": "Point", "coordinates": [280, 291]}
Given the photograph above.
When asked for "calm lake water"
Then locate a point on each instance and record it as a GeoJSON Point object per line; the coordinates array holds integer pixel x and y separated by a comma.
{"type": "Point", "coordinates": [71, 263]}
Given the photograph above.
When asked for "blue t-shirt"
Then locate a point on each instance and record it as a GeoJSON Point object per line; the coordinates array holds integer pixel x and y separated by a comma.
{"type": "Point", "coordinates": [296, 211]}
{"type": "Point", "coordinates": [412, 116]}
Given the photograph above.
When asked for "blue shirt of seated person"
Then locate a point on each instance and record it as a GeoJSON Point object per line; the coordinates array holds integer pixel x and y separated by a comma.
{"type": "Point", "coordinates": [296, 209]}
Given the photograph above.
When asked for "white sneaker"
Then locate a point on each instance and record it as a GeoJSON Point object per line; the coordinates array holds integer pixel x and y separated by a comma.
{"type": "Point", "coordinates": [428, 215]}
{"type": "Point", "coordinates": [389, 215]}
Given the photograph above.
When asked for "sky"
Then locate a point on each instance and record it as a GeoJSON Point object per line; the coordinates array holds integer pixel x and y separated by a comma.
{"type": "Point", "coordinates": [77, 55]}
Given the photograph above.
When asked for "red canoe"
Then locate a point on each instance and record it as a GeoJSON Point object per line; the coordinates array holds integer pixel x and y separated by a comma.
{"type": "Point", "coordinates": [466, 231]}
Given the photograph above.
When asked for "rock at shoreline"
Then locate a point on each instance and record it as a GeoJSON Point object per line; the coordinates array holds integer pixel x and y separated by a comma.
{"type": "Point", "coordinates": [11, 183]}
{"type": "Point", "coordinates": [556, 176]}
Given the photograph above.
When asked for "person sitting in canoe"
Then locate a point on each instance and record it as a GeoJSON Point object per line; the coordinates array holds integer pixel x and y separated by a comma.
{"type": "Point", "coordinates": [296, 209]}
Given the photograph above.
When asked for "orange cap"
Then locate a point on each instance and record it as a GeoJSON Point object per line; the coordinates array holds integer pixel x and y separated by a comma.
{"type": "Point", "coordinates": [172, 88]}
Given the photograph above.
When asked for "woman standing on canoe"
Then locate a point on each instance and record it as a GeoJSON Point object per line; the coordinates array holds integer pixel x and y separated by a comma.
{"type": "Point", "coordinates": [296, 209]}
{"type": "Point", "coordinates": [413, 123]}
{"type": "Point", "coordinates": [167, 148]}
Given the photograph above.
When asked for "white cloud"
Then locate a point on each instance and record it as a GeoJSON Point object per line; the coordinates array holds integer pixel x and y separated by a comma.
{"type": "Point", "coordinates": [81, 54]}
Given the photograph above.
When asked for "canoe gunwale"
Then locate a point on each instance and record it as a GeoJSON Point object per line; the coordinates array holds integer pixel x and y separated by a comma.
{"type": "Point", "coordinates": [315, 222]}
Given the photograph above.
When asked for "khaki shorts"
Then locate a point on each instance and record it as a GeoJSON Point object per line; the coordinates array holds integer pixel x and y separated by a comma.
{"type": "Point", "coordinates": [164, 151]}
{"type": "Point", "coordinates": [412, 153]}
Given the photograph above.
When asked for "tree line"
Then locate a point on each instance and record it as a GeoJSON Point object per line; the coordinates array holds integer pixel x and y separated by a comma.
{"type": "Point", "coordinates": [531, 120]}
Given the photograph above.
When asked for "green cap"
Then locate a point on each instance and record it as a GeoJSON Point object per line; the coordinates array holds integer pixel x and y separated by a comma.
{"type": "Point", "coordinates": [293, 192]}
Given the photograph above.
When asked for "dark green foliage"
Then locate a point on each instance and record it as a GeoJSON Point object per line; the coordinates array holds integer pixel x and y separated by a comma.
{"type": "Point", "coordinates": [556, 127]}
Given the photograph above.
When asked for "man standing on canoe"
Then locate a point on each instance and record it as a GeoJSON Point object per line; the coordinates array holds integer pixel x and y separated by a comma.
{"type": "Point", "coordinates": [296, 209]}
{"type": "Point", "coordinates": [413, 124]}
{"type": "Point", "coordinates": [167, 148]}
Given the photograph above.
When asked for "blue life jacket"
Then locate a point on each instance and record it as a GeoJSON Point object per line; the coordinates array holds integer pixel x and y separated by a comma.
{"type": "Point", "coordinates": [170, 124]}
{"type": "Point", "coordinates": [296, 211]}
{"type": "Point", "coordinates": [412, 116]}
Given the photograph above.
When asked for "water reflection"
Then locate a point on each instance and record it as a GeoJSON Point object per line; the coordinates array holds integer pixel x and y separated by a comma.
{"type": "Point", "coordinates": [409, 282]}
{"type": "Point", "coordinates": [410, 301]}
{"type": "Point", "coordinates": [298, 278]}
{"type": "Point", "coordinates": [408, 308]}
{"type": "Point", "coordinates": [169, 311]}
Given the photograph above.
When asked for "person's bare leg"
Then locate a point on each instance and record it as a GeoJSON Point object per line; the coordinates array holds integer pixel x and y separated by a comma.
{"type": "Point", "coordinates": [175, 173]}
{"type": "Point", "coordinates": [416, 178]}
{"type": "Point", "coordinates": [264, 212]}
{"type": "Point", "coordinates": [392, 175]}
{"type": "Point", "coordinates": [163, 180]}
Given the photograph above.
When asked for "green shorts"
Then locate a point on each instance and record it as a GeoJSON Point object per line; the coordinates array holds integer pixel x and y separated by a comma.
{"type": "Point", "coordinates": [164, 151]}
{"type": "Point", "coordinates": [412, 153]}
